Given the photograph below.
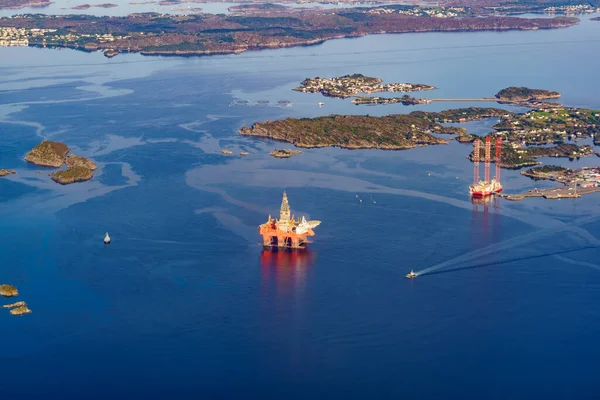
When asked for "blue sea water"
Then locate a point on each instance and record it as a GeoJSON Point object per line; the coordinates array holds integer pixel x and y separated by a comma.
{"type": "Point", "coordinates": [185, 304]}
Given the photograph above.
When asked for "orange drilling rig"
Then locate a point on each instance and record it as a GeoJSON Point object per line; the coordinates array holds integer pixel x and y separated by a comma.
{"type": "Point", "coordinates": [286, 232]}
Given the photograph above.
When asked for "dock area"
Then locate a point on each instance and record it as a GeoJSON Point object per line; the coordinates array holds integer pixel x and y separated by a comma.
{"type": "Point", "coordinates": [564, 192]}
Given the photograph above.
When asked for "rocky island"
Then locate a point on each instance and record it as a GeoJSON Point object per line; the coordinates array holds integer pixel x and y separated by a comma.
{"type": "Point", "coordinates": [8, 290]}
{"type": "Point", "coordinates": [72, 175]}
{"type": "Point", "coordinates": [515, 94]}
{"type": "Point", "coordinates": [6, 172]}
{"type": "Point", "coordinates": [48, 154]}
{"type": "Point", "coordinates": [209, 34]}
{"type": "Point", "coordinates": [18, 308]}
{"type": "Point", "coordinates": [285, 153]}
{"type": "Point", "coordinates": [54, 154]}
{"type": "Point", "coordinates": [351, 85]}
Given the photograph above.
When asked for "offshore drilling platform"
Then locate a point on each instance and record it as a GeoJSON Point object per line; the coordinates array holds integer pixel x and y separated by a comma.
{"type": "Point", "coordinates": [486, 187]}
{"type": "Point", "coordinates": [286, 232]}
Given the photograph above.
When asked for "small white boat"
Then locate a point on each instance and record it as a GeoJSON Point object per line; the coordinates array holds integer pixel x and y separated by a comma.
{"type": "Point", "coordinates": [411, 274]}
{"type": "Point", "coordinates": [106, 239]}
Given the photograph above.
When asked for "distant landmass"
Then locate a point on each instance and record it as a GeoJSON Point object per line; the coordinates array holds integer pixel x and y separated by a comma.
{"type": "Point", "coordinates": [207, 34]}
{"type": "Point", "coordinates": [24, 3]}
{"type": "Point", "coordinates": [86, 6]}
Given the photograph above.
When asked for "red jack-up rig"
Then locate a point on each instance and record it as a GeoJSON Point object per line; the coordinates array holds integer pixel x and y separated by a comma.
{"type": "Point", "coordinates": [486, 187]}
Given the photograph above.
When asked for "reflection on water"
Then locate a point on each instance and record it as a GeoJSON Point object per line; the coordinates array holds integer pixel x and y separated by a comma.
{"type": "Point", "coordinates": [285, 270]}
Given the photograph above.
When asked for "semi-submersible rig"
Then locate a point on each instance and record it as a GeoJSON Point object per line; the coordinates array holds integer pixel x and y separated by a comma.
{"type": "Point", "coordinates": [286, 232]}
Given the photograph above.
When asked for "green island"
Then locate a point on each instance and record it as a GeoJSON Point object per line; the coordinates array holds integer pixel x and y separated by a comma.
{"type": "Point", "coordinates": [515, 94]}
{"type": "Point", "coordinates": [575, 182]}
{"type": "Point", "coordinates": [72, 175]}
{"type": "Point", "coordinates": [351, 85]}
{"type": "Point", "coordinates": [392, 132]}
{"type": "Point", "coordinates": [527, 136]}
{"type": "Point", "coordinates": [54, 154]}
{"type": "Point", "coordinates": [208, 34]}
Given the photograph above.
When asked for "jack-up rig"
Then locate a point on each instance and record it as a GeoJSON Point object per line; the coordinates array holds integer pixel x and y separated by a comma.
{"type": "Point", "coordinates": [286, 232]}
{"type": "Point", "coordinates": [486, 187]}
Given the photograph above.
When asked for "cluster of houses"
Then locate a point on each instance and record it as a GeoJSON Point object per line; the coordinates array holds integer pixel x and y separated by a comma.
{"type": "Point", "coordinates": [438, 12]}
{"type": "Point", "coordinates": [571, 9]}
{"type": "Point", "coordinates": [352, 86]}
{"type": "Point", "coordinates": [571, 126]}
{"type": "Point", "coordinates": [21, 36]}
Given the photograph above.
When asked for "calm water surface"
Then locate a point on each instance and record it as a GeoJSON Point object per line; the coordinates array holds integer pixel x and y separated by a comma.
{"type": "Point", "coordinates": [184, 303]}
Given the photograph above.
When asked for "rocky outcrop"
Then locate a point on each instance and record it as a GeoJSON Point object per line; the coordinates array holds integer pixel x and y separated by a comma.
{"type": "Point", "coordinates": [48, 154]}
{"type": "Point", "coordinates": [8, 290]}
{"type": "Point", "coordinates": [73, 161]}
{"type": "Point", "coordinates": [6, 172]}
{"type": "Point", "coordinates": [17, 304]}
{"type": "Point", "coordinates": [54, 154]}
{"type": "Point", "coordinates": [286, 153]}
{"type": "Point", "coordinates": [21, 310]}
{"type": "Point", "coordinates": [72, 175]}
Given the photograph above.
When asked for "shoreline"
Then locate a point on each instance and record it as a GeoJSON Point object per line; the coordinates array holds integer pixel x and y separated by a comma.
{"type": "Point", "coordinates": [206, 35]}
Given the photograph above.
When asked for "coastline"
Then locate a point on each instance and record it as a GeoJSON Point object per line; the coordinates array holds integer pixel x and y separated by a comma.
{"type": "Point", "coordinates": [205, 35]}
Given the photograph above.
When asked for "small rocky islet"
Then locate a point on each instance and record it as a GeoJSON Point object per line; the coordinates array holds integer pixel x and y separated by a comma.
{"type": "Point", "coordinates": [8, 290]}
{"type": "Point", "coordinates": [284, 153]}
{"type": "Point", "coordinates": [17, 308]}
{"type": "Point", "coordinates": [7, 172]}
{"type": "Point", "coordinates": [55, 154]}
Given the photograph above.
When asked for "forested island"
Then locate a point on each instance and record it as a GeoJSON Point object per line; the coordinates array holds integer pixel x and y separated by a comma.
{"type": "Point", "coordinates": [392, 132]}
{"type": "Point", "coordinates": [515, 94]}
{"type": "Point", "coordinates": [527, 136]}
{"type": "Point", "coordinates": [206, 34]}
